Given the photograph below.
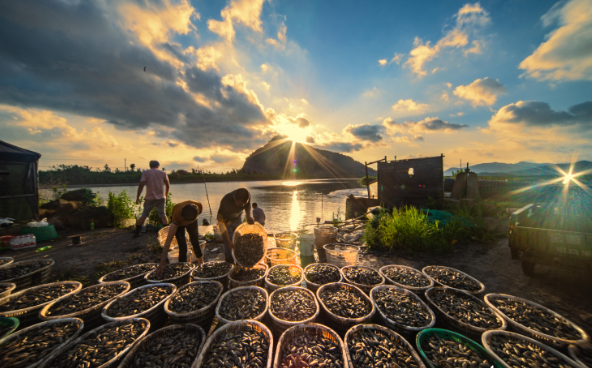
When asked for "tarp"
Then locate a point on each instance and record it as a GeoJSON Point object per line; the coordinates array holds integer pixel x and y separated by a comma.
{"type": "Point", "coordinates": [19, 186]}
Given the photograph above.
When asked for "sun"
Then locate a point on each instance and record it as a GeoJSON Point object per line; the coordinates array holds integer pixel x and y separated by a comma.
{"type": "Point", "coordinates": [293, 132]}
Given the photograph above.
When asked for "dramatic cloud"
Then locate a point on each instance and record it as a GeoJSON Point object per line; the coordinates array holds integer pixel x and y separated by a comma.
{"type": "Point", "coordinates": [310, 140]}
{"type": "Point", "coordinates": [302, 122]}
{"type": "Point", "coordinates": [365, 132]}
{"type": "Point", "coordinates": [410, 106]}
{"type": "Point", "coordinates": [343, 146]}
{"type": "Point", "coordinates": [567, 52]}
{"type": "Point", "coordinates": [245, 12]}
{"type": "Point", "coordinates": [425, 126]}
{"type": "Point", "coordinates": [482, 92]}
{"type": "Point", "coordinates": [221, 158]}
{"type": "Point", "coordinates": [469, 18]}
{"type": "Point", "coordinates": [200, 159]}
{"type": "Point", "coordinates": [88, 63]}
{"type": "Point", "coordinates": [540, 114]}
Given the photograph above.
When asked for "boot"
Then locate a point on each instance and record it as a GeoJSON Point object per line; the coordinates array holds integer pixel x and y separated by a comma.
{"type": "Point", "coordinates": [137, 231]}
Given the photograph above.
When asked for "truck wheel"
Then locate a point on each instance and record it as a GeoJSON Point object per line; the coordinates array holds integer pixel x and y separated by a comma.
{"type": "Point", "coordinates": [515, 253]}
{"type": "Point", "coordinates": [528, 268]}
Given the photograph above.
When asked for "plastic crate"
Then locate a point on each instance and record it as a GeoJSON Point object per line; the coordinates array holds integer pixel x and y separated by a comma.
{"type": "Point", "coordinates": [41, 233]}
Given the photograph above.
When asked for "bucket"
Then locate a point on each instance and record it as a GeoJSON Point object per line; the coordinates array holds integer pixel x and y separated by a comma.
{"type": "Point", "coordinates": [306, 244]}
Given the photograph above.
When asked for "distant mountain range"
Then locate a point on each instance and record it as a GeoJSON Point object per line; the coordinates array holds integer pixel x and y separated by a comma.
{"type": "Point", "coordinates": [308, 162]}
{"type": "Point", "coordinates": [523, 168]}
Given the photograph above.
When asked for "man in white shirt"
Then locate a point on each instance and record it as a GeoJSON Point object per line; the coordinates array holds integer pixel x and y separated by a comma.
{"type": "Point", "coordinates": [258, 214]}
{"type": "Point", "coordinates": [157, 190]}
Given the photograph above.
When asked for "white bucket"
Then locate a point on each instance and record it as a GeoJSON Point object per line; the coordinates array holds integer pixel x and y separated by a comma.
{"type": "Point", "coordinates": [306, 244]}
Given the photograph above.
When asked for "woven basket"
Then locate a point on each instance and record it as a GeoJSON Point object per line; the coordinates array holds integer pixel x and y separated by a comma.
{"type": "Point", "coordinates": [111, 363]}
{"type": "Point", "coordinates": [221, 279]}
{"type": "Point", "coordinates": [177, 281]}
{"type": "Point", "coordinates": [338, 323]}
{"type": "Point", "coordinates": [36, 277]}
{"type": "Point", "coordinates": [308, 329]}
{"type": "Point", "coordinates": [129, 358]}
{"type": "Point", "coordinates": [281, 256]}
{"type": "Point", "coordinates": [575, 354]}
{"type": "Point", "coordinates": [280, 325]}
{"type": "Point", "coordinates": [162, 237]}
{"type": "Point", "coordinates": [397, 327]}
{"type": "Point", "coordinates": [522, 339]}
{"type": "Point", "coordinates": [5, 261]}
{"type": "Point", "coordinates": [523, 330]}
{"type": "Point", "coordinates": [12, 323]}
{"type": "Point", "coordinates": [246, 229]}
{"type": "Point", "coordinates": [10, 287]}
{"type": "Point", "coordinates": [91, 316]}
{"type": "Point", "coordinates": [364, 287]}
{"type": "Point", "coordinates": [226, 294]}
{"type": "Point", "coordinates": [385, 331]}
{"type": "Point", "coordinates": [232, 283]}
{"type": "Point", "coordinates": [426, 269]}
{"type": "Point", "coordinates": [155, 315]}
{"type": "Point", "coordinates": [419, 290]}
{"type": "Point", "coordinates": [28, 330]}
{"type": "Point", "coordinates": [341, 254]}
{"type": "Point", "coordinates": [478, 349]}
{"type": "Point", "coordinates": [311, 285]}
{"type": "Point", "coordinates": [325, 231]}
{"type": "Point", "coordinates": [453, 323]}
{"type": "Point", "coordinates": [244, 325]}
{"type": "Point", "coordinates": [30, 315]}
{"type": "Point", "coordinates": [134, 281]}
{"type": "Point", "coordinates": [201, 316]}
{"type": "Point", "coordinates": [293, 269]}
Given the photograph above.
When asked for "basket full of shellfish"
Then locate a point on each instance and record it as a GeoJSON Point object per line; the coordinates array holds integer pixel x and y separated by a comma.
{"type": "Point", "coordinates": [177, 274]}
{"type": "Point", "coordinates": [283, 275]}
{"type": "Point", "coordinates": [407, 278]}
{"type": "Point", "coordinates": [194, 303]}
{"type": "Point", "coordinates": [246, 302]}
{"type": "Point", "coordinates": [6, 289]}
{"type": "Point", "coordinates": [453, 278]}
{"type": "Point", "coordinates": [243, 276]}
{"type": "Point", "coordinates": [345, 305]}
{"type": "Point", "coordinates": [132, 274]}
{"type": "Point", "coordinates": [317, 274]}
{"type": "Point", "coordinates": [292, 305]}
{"type": "Point", "coordinates": [213, 271]}
{"type": "Point", "coordinates": [363, 277]}
{"type": "Point", "coordinates": [25, 274]}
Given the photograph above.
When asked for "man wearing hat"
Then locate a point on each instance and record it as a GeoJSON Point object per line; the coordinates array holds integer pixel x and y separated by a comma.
{"type": "Point", "coordinates": [185, 216]}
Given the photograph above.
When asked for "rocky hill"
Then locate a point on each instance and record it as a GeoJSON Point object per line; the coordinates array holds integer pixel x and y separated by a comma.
{"type": "Point", "coordinates": [309, 162]}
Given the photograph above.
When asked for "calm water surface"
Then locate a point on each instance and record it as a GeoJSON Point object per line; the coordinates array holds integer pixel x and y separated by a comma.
{"type": "Point", "coordinates": [286, 207]}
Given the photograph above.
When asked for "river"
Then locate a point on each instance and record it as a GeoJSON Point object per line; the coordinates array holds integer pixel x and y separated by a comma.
{"type": "Point", "coordinates": [287, 207]}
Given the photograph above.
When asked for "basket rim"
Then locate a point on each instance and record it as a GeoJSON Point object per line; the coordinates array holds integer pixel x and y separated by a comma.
{"type": "Point", "coordinates": [11, 286]}
{"type": "Point", "coordinates": [141, 341]}
{"type": "Point", "coordinates": [408, 287]}
{"type": "Point", "coordinates": [272, 249]}
{"type": "Point", "coordinates": [465, 340]}
{"type": "Point", "coordinates": [324, 264]}
{"type": "Point", "coordinates": [291, 323]}
{"type": "Point", "coordinates": [43, 313]}
{"type": "Point", "coordinates": [172, 279]}
{"type": "Point", "coordinates": [305, 326]}
{"type": "Point", "coordinates": [485, 341]}
{"type": "Point", "coordinates": [141, 314]}
{"type": "Point", "coordinates": [74, 336]}
{"type": "Point", "coordinates": [410, 294]}
{"type": "Point", "coordinates": [195, 312]}
{"type": "Point", "coordinates": [574, 354]}
{"type": "Point", "coordinates": [50, 263]}
{"type": "Point", "coordinates": [228, 292]}
{"type": "Point", "coordinates": [123, 352]}
{"type": "Point", "coordinates": [362, 286]}
{"type": "Point", "coordinates": [10, 261]}
{"type": "Point", "coordinates": [270, 284]}
{"type": "Point", "coordinates": [102, 279]}
{"type": "Point", "coordinates": [345, 319]}
{"type": "Point", "coordinates": [334, 244]}
{"type": "Point", "coordinates": [258, 265]}
{"type": "Point", "coordinates": [585, 338]}
{"type": "Point", "coordinates": [237, 324]}
{"type": "Point", "coordinates": [372, 326]}
{"type": "Point", "coordinates": [215, 278]}
{"type": "Point", "coordinates": [482, 286]}
{"type": "Point", "coordinates": [465, 325]}
{"type": "Point", "coordinates": [39, 306]}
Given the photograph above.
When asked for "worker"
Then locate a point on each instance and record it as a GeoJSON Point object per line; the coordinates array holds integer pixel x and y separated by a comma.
{"type": "Point", "coordinates": [157, 190]}
{"type": "Point", "coordinates": [229, 217]}
{"type": "Point", "coordinates": [184, 217]}
{"type": "Point", "coordinates": [258, 214]}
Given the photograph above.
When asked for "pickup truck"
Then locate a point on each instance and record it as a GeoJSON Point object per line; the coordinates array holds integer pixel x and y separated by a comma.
{"type": "Point", "coordinates": [553, 234]}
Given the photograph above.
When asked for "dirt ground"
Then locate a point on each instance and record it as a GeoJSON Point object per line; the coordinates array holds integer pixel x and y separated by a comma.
{"type": "Point", "coordinates": [567, 292]}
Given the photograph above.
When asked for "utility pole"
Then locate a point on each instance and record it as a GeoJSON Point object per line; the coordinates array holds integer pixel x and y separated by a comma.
{"type": "Point", "coordinates": [125, 164]}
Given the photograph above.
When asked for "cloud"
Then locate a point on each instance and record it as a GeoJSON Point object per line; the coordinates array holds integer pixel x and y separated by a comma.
{"type": "Point", "coordinates": [410, 106]}
{"type": "Point", "coordinates": [365, 132]}
{"type": "Point", "coordinates": [374, 92]}
{"type": "Point", "coordinates": [444, 96]}
{"type": "Point", "coordinates": [468, 19]}
{"type": "Point", "coordinates": [301, 121]}
{"type": "Point", "coordinates": [382, 62]}
{"type": "Point", "coordinates": [540, 114]}
{"type": "Point", "coordinates": [280, 43]}
{"type": "Point", "coordinates": [200, 159]}
{"type": "Point", "coordinates": [397, 58]}
{"type": "Point", "coordinates": [567, 52]}
{"type": "Point", "coordinates": [425, 126]}
{"type": "Point", "coordinates": [89, 64]}
{"type": "Point", "coordinates": [310, 139]}
{"type": "Point", "coordinates": [221, 158]}
{"type": "Point", "coordinates": [482, 92]}
{"type": "Point", "coordinates": [343, 146]}
{"type": "Point", "coordinates": [245, 12]}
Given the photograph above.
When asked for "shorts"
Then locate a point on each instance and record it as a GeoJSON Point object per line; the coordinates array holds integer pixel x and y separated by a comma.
{"type": "Point", "coordinates": [149, 204]}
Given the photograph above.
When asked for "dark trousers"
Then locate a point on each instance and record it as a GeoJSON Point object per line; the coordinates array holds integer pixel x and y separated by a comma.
{"type": "Point", "coordinates": [193, 236]}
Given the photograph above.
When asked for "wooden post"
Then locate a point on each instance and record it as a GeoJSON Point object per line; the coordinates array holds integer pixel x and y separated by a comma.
{"type": "Point", "coordinates": [367, 178]}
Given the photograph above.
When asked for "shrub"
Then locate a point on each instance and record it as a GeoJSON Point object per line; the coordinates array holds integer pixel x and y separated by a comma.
{"type": "Point", "coordinates": [121, 207]}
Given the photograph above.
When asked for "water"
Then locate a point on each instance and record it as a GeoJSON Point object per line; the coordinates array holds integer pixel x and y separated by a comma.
{"type": "Point", "coordinates": [286, 207]}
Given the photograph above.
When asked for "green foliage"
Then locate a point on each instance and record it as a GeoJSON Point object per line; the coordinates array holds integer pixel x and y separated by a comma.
{"type": "Point", "coordinates": [371, 179]}
{"type": "Point", "coordinates": [154, 219]}
{"type": "Point", "coordinates": [432, 203]}
{"type": "Point", "coordinates": [121, 207]}
{"type": "Point", "coordinates": [210, 236]}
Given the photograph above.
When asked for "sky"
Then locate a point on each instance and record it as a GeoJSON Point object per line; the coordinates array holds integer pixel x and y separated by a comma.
{"type": "Point", "coordinates": [203, 83]}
